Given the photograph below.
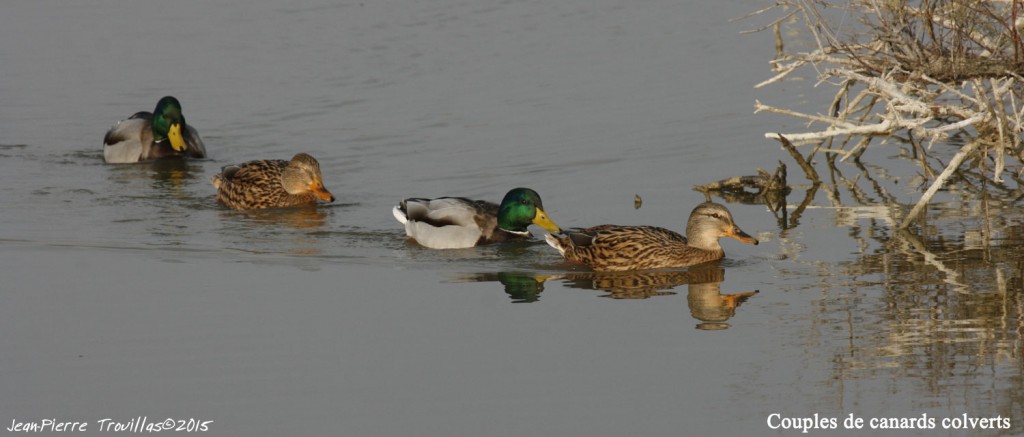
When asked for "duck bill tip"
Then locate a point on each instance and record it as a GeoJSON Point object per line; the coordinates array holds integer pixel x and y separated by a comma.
{"type": "Point", "coordinates": [742, 236]}
{"type": "Point", "coordinates": [325, 195]}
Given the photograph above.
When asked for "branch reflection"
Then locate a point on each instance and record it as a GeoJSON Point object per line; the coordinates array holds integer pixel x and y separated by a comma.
{"type": "Point", "coordinates": [942, 299]}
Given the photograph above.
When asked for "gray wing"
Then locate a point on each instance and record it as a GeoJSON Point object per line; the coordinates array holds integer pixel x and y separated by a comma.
{"type": "Point", "coordinates": [128, 141]}
{"type": "Point", "coordinates": [444, 211]}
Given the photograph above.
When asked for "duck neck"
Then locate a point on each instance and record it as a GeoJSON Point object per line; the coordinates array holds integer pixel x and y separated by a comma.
{"type": "Point", "coordinates": [702, 240]}
{"type": "Point", "coordinates": [514, 218]}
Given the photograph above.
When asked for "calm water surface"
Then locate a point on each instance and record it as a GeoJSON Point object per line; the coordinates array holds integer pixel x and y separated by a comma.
{"type": "Point", "coordinates": [128, 292]}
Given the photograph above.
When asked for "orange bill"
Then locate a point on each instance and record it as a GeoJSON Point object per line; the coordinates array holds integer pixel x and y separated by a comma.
{"type": "Point", "coordinates": [321, 193]}
{"type": "Point", "coordinates": [738, 234]}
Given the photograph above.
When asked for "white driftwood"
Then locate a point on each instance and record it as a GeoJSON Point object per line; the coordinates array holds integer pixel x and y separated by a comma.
{"type": "Point", "coordinates": [883, 79]}
{"type": "Point", "coordinates": [954, 163]}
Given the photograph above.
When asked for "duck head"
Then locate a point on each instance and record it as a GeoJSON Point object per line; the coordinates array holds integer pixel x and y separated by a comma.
{"type": "Point", "coordinates": [522, 207]}
{"type": "Point", "coordinates": [169, 123]}
{"type": "Point", "coordinates": [302, 175]}
{"type": "Point", "coordinates": [710, 221]}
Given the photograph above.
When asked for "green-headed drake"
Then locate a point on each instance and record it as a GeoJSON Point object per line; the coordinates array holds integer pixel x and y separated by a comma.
{"type": "Point", "coordinates": [147, 136]}
{"type": "Point", "coordinates": [272, 183]}
{"type": "Point", "coordinates": [457, 222]}
{"type": "Point", "coordinates": [615, 248]}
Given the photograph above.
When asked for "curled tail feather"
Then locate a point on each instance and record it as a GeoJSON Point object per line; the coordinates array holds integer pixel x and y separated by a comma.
{"type": "Point", "coordinates": [400, 214]}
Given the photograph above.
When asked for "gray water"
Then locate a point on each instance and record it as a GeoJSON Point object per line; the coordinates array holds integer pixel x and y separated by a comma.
{"type": "Point", "coordinates": [128, 292]}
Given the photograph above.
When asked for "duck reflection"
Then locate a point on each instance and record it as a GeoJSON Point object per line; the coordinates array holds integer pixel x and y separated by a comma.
{"type": "Point", "coordinates": [296, 218]}
{"type": "Point", "coordinates": [521, 287]}
{"type": "Point", "coordinates": [709, 305]}
{"type": "Point", "coordinates": [163, 173]}
{"type": "Point", "coordinates": [295, 231]}
{"type": "Point", "coordinates": [629, 285]}
{"type": "Point", "coordinates": [174, 172]}
{"type": "Point", "coordinates": [705, 299]}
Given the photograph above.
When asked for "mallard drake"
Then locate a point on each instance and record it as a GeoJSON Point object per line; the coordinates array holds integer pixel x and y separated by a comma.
{"type": "Point", "coordinates": [271, 183]}
{"type": "Point", "coordinates": [616, 248]}
{"type": "Point", "coordinates": [457, 222]}
{"type": "Point", "coordinates": [151, 135]}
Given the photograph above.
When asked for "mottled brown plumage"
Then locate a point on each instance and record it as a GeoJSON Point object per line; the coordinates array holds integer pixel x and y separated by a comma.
{"type": "Point", "coordinates": [617, 248]}
{"type": "Point", "coordinates": [271, 183]}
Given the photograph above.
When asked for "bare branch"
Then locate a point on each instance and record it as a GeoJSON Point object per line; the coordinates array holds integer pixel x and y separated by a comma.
{"type": "Point", "coordinates": [950, 168]}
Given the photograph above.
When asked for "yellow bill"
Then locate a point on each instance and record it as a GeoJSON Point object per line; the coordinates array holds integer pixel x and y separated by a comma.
{"type": "Point", "coordinates": [542, 220]}
{"type": "Point", "coordinates": [177, 141]}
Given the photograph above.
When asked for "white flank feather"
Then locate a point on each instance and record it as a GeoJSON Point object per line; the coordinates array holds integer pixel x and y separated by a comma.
{"type": "Point", "coordinates": [444, 237]}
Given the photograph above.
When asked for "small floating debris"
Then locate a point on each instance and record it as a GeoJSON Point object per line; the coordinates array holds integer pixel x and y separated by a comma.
{"type": "Point", "coordinates": [637, 201]}
{"type": "Point", "coordinates": [763, 182]}
{"type": "Point", "coordinates": [771, 188]}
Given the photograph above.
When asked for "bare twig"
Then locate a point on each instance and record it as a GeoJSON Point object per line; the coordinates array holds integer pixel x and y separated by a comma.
{"type": "Point", "coordinates": [808, 169]}
{"type": "Point", "coordinates": [931, 70]}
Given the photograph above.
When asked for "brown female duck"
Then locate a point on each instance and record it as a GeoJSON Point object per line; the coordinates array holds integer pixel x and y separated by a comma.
{"type": "Point", "coordinates": [616, 248]}
{"type": "Point", "coordinates": [273, 183]}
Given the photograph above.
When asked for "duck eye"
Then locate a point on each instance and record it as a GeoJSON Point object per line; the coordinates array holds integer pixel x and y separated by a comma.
{"type": "Point", "coordinates": [715, 215]}
{"type": "Point", "coordinates": [524, 202]}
